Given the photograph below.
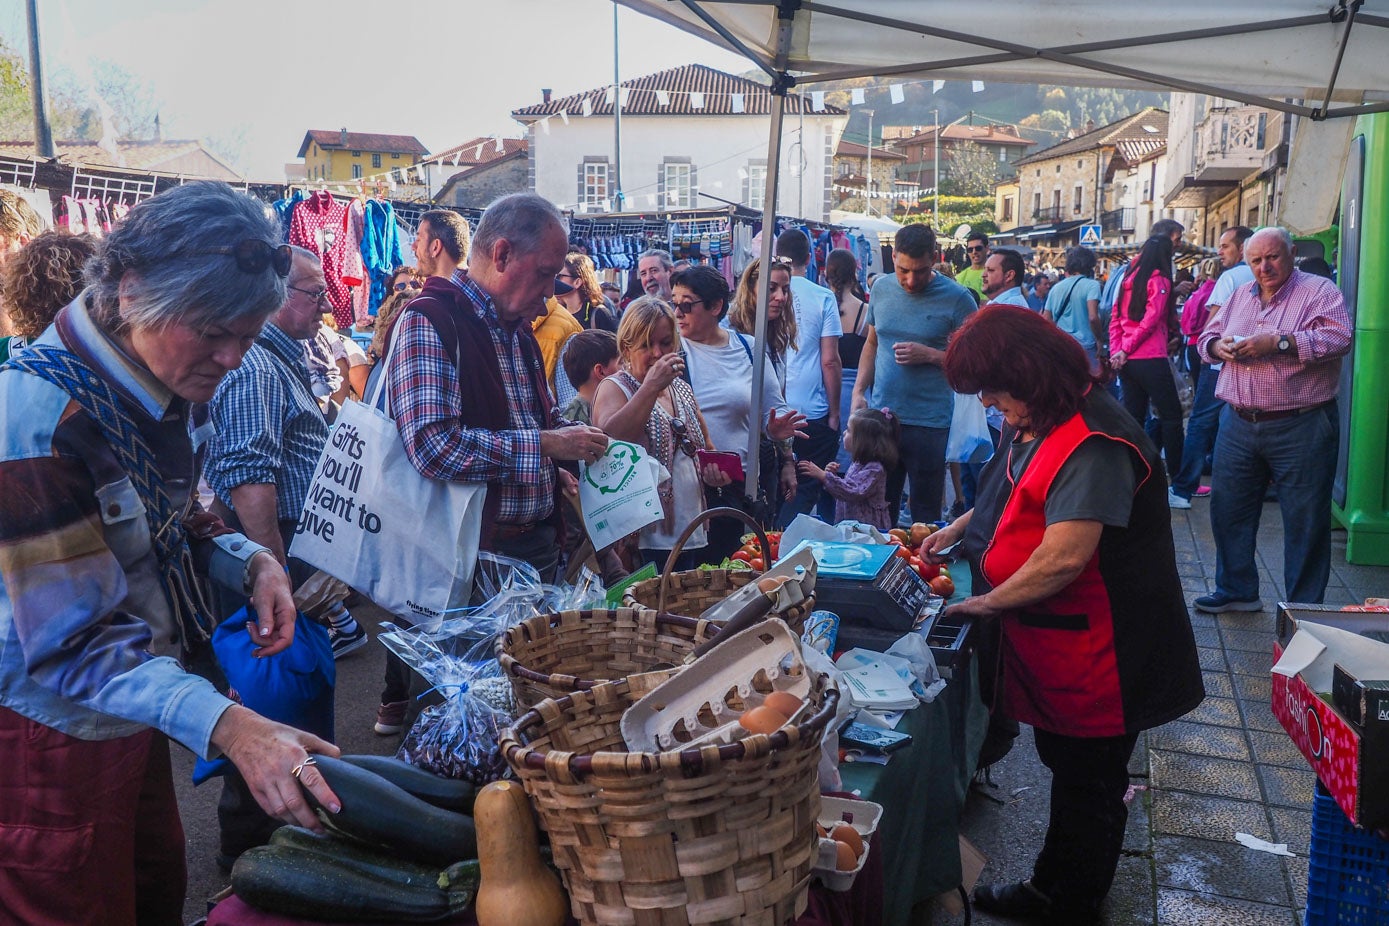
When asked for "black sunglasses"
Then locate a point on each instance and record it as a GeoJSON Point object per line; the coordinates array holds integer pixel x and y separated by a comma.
{"type": "Point", "coordinates": [407, 284]}
{"type": "Point", "coordinates": [685, 308]}
{"type": "Point", "coordinates": [682, 438]}
{"type": "Point", "coordinates": [254, 255]}
{"type": "Point", "coordinates": [976, 247]}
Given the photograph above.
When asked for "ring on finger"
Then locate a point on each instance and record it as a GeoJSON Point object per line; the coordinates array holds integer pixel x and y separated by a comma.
{"type": "Point", "coordinates": [299, 769]}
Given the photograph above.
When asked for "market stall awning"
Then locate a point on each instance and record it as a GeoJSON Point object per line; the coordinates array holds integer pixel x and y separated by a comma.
{"type": "Point", "coordinates": [1277, 54]}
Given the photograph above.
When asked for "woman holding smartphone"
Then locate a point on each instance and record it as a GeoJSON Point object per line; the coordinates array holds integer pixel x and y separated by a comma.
{"type": "Point", "coordinates": [719, 369]}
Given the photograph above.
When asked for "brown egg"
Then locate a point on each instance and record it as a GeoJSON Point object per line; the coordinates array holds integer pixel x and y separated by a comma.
{"type": "Point", "coordinates": [784, 703]}
{"type": "Point", "coordinates": [849, 836]}
{"type": "Point", "coordinates": [762, 720]}
{"type": "Point", "coordinates": [844, 859]}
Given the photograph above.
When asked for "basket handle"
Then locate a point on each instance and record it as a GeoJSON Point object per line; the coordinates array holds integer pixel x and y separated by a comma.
{"type": "Point", "coordinates": [693, 526]}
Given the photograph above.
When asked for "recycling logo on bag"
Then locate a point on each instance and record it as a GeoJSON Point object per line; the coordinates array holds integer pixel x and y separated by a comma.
{"type": "Point", "coordinates": [611, 472]}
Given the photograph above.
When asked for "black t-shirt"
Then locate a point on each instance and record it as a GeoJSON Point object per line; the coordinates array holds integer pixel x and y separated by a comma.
{"type": "Point", "coordinates": [1096, 483]}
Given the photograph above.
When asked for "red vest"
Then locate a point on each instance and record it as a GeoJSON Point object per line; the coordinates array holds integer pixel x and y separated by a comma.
{"type": "Point", "coordinates": [1059, 667]}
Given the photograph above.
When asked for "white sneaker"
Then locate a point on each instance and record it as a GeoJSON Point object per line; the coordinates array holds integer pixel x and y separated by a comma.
{"type": "Point", "coordinates": [1176, 501]}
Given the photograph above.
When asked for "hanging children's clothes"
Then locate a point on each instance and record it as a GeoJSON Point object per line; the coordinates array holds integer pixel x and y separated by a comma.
{"type": "Point", "coordinates": [354, 272]}
{"type": "Point", "coordinates": [284, 211]}
{"type": "Point", "coordinates": [380, 250]}
{"type": "Point", "coordinates": [318, 225]}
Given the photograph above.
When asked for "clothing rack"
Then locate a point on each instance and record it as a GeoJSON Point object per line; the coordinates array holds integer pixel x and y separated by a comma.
{"type": "Point", "coordinates": [89, 185]}
{"type": "Point", "coordinates": [17, 173]}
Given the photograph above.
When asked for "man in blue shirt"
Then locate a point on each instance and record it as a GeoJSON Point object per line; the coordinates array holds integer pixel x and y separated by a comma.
{"type": "Point", "coordinates": [912, 315]}
{"type": "Point", "coordinates": [1002, 280]}
{"type": "Point", "coordinates": [1037, 299]}
{"type": "Point", "coordinates": [813, 371]}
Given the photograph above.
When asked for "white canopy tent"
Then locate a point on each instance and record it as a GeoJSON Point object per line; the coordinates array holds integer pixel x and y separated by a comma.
{"type": "Point", "coordinates": [1320, 59]}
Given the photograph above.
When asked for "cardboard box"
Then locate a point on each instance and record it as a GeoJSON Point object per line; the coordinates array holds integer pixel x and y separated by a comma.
{"type": "Point", "coordinates": [1352, 761]}
{"type": "Point", "coordinates": [972, 863]}
{"type": "Point", "coordinates": [1364, 702]}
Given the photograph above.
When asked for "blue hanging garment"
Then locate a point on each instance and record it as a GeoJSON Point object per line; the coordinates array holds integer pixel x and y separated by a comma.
{"type": "Point", "coordinates": [380, 250]}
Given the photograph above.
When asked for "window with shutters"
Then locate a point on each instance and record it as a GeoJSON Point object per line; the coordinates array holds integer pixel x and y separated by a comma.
{"type": "Point", "coordinates": [757, 185]}
{"type": "Point", "coordinates": [677, 183]}
{"type": "Point", "coordinates": [1079, 201]}
{"type": "Point", "coordinates": [356, 172]}
{"type": "Point", "coordinates": [595, 183]}
{"type": "Point", "coordinates": [376, 160]}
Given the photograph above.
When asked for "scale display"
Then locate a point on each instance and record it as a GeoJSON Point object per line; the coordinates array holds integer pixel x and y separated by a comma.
{"type": "Point", "coordinates": [868, 586]}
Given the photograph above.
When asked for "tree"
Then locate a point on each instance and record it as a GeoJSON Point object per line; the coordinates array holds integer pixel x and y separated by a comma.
{"type": "Point", "coordinates": [969, 170]}
{"type": "Point", "coordinates": [1048, 120]}
{"type": "Point", "coordinates": [73, 110]}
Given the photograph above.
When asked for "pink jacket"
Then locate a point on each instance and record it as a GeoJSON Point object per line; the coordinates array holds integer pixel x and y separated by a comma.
{"type": "Point", "coordinates": [1146, 337]}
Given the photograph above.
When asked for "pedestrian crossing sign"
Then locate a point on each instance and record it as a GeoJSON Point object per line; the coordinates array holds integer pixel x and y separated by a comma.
{"type": "Point", "coordinates": [1090, 236]}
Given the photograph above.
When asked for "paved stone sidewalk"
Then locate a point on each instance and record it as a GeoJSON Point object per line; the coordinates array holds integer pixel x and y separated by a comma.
{"type": "Point", "coordinates": [1226, 767]}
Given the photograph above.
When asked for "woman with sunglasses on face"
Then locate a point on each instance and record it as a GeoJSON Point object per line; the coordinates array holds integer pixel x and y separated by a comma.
{"type": "Point", "coordinates": [719, 367]}
{"type": "Point", "coordinates": [99, 607]}
{"type": "Point", "coordinates": [649, 402]}
{"type": "Point", "coordinates": [585, 301]}
{"type": "Point", "coordinates": [778, 467]}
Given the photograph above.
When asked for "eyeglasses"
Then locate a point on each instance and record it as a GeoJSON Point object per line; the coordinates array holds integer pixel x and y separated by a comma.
{"type": "Point", "coordinates": [403, 285]}
{"type": "Point", "coordinates": [685, 308]}
{"type": "Point", "coordinates": [254, 255]}
{"type": "Point", "coordinates": [682, 437]}
{"type": "Point", "coordinates": [977, 247]}
{"type": "Point", "coordinates": [319, 296]}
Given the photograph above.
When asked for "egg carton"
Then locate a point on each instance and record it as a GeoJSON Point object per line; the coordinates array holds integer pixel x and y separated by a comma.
{"type": "Point", "coordinates": [799, 567]}
{"type": "Point", "coordinates": [863, 816]}
{"type": "Point", "coordinates": [702, 703]}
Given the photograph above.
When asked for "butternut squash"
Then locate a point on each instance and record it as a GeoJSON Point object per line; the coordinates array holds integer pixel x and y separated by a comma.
{"type": "Point", "coordinates": [517, 889]}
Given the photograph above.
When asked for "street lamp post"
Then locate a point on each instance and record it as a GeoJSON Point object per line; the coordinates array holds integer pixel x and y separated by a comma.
{"type": "Point", "coordinates": [935, 170]}
{"type": "Point", "coordinates": [868, 180]}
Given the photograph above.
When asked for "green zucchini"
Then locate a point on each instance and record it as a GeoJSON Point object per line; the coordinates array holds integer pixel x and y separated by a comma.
{"type": "Point", "coordinates": [378, 812]}
{"type": "Point", "coordinates": [293, 881]}
{"type": "Point", "coordinates": [367, 859]}
{"type": "Point", "coordinates": [448, 793]}
{"type": "Point", "coordinates": [462, 876]}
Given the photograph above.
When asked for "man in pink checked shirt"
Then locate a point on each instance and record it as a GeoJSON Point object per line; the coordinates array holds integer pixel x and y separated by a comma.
{"type": "Point", "coordinates": [1281, 339]}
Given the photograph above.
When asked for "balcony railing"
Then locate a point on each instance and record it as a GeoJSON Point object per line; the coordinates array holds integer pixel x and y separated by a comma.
{"type": "Point", "coordinates": [1049, 214]}
{"type": "Point", "coordinates": [1230, 138]}
{"type": "Point", "coordinates": [1118, 220]}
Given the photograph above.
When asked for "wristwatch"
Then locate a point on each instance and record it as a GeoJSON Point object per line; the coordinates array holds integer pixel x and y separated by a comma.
{"type": "Point", "coordinates": [1285, 345]}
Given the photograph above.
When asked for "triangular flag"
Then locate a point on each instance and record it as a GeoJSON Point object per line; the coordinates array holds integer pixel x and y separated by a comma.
{"type": "Point", "coordinates": [736, 101]}
{"type": "Point", "coordinates": [817, 100]}
{"type": "Point", "coordinates": [545, 125]}
{"type": "Point", "coordinates": [696, 100]}
{"type": "Point", "coordinates": [625, 95]}
{"type": "Point", "coordinates": [608, 95]}
{"type": "Point", "coordinates": [651, 199]}
{"type": "Point", "coordinates": [672, 195]}
{"type": "Point", "coordinates": [856, 95]}
{"type": "Point", "coordinates": [897, 93]}
{"type": "Point", "coordinates": [588, 108]}
{"type": "Point", "coordinates": [477, 155]}
{"type": "Point", "coordinates": [663, 97]}
{"type": "Point", "coordinates": [607, 205]}
{"type": "Point", "coordinates": [457, 156]}
{"type": "Point", "coordinates": [499, 147]}
{"type": "Point", "coordinates": [936, 85]}
{"type": "Point", "coordinates": [978, 85]}
{"type": "Point", "coordinates": [564, 114]}
{"type": "Point", "coordinates": [742, 173]}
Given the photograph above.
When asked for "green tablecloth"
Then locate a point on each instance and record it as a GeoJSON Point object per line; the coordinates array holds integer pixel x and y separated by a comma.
{"type": "Point", "coordinates": [922, 791]}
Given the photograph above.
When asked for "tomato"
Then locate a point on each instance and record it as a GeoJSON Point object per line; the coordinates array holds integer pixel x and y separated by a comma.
{"type": "Point", "coordinates": [757, 564]}
{"type": "Point", "coordinates": [743, 556]}
{"type": "Point", "coordinates": [902, 552]}
{"type": "Point", "coordinates": [927, 571]}
{"type": "Point", "coordinates": [942, 586]}
{"type": "Point", "coordinates": [899, 535]}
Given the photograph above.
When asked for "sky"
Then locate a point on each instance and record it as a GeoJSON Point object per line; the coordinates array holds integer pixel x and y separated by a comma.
{"type": "Point", "coordinates": [444, 71]}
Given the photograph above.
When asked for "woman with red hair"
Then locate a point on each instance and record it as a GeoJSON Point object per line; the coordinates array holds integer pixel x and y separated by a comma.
{"type": "Point", "coordinates": [1074, 573]}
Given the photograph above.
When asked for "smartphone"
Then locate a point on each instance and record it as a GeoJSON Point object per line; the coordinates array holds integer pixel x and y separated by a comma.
{"type": "Point", "coordinates": [728, 462]}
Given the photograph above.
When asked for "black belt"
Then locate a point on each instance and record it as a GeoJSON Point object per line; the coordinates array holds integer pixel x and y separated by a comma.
{"type": "Point", "coordinates": [1254, 415]}
{"type": "Point", "coordinates": [512, 531]}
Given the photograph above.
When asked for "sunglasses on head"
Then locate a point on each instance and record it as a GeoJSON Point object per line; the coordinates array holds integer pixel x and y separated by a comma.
{"type": "Point", "coordinates": [403, 285]}
{"type": "Point", "coordinates": [254, 255]}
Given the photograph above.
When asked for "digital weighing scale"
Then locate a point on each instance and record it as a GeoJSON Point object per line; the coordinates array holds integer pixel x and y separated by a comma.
{"type": "Point", "coordinates": [879, 597]}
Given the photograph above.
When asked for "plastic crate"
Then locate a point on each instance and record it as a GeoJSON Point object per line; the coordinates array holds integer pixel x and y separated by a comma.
{"type": "Point", "coordinates": [1348, 870]}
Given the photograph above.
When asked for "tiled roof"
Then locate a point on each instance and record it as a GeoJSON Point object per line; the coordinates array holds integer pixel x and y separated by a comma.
{"type": "Point", "coordinates": [678, 83]}
{"type": "Point", "coordinates": [849, 149]}
{"type": "Point", "coordinates": [468, 151]}
{"type": "Point", "coordinates": [139, 155]}
{"type": "Point", "coordinates": [1139, 134]}
{"type": "Point", "coordinates": [362, 141]}
{"type": "Point", "coordinates": [981, 134]}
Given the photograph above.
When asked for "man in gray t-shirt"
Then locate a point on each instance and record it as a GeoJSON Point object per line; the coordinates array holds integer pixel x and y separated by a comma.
{"type": "Point", "coordinates": [913, 314]}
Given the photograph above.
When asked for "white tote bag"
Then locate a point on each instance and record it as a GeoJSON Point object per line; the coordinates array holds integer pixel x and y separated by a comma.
{"type": "Point", "coordinates": [970, 440]}
{"type": "Point", "coordinates": [406, 542]}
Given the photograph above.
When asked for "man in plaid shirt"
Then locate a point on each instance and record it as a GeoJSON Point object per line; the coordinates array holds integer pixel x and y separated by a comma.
{"type": "Point", "coordinates": [468, 389]}
{"type": "Point", "coordinates": [1281, 339]}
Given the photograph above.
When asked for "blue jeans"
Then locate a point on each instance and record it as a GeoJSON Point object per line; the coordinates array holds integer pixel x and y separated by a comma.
{"type": "Point", "coordinates": [923, 463]}
{"type": "Point", "coordinates": [819, 446]}
{"type": "Point", "coordinates": [824, 509]}
{"type": "Point", "coordinates": [1201, 429]}
{"type": "Point", "coordinates": [1299, 455]}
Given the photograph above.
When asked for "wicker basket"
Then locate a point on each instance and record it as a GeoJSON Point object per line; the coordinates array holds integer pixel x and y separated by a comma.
{"type": "Point", "coordinates": [694, 591]}
{"type": "Point", "coordinates": [716, 835]}
{"type": "Point", "coordinates": [552, 655]}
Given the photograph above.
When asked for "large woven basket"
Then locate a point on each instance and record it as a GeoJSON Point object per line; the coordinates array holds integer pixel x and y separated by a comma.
{"type": "Point", "coordinates": [694, 591]}
{"type": "Point", "coordinates": [552, 655]}
{"type": "Point", "coordinates": [718, 835]}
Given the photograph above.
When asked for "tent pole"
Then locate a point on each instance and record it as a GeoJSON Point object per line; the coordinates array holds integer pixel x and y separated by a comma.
{"type": "Point", "coordinates": [1349, 12]}
{"type": "Point", "coordinates": [764, 279]}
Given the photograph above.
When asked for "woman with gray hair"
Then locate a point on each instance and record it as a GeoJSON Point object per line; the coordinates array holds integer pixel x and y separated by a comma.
{"type": "Point", "coordinates": [99, 535]}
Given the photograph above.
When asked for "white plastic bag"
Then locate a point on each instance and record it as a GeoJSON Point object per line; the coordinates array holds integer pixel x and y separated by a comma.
{"type": "Point", "coordinates": [970, 440]}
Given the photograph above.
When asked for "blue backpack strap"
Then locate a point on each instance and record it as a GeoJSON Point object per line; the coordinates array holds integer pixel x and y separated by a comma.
{"type": "Point", "coordinates": [743, 340]}
{"type": "Point", "coordinates": [84, 386]}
